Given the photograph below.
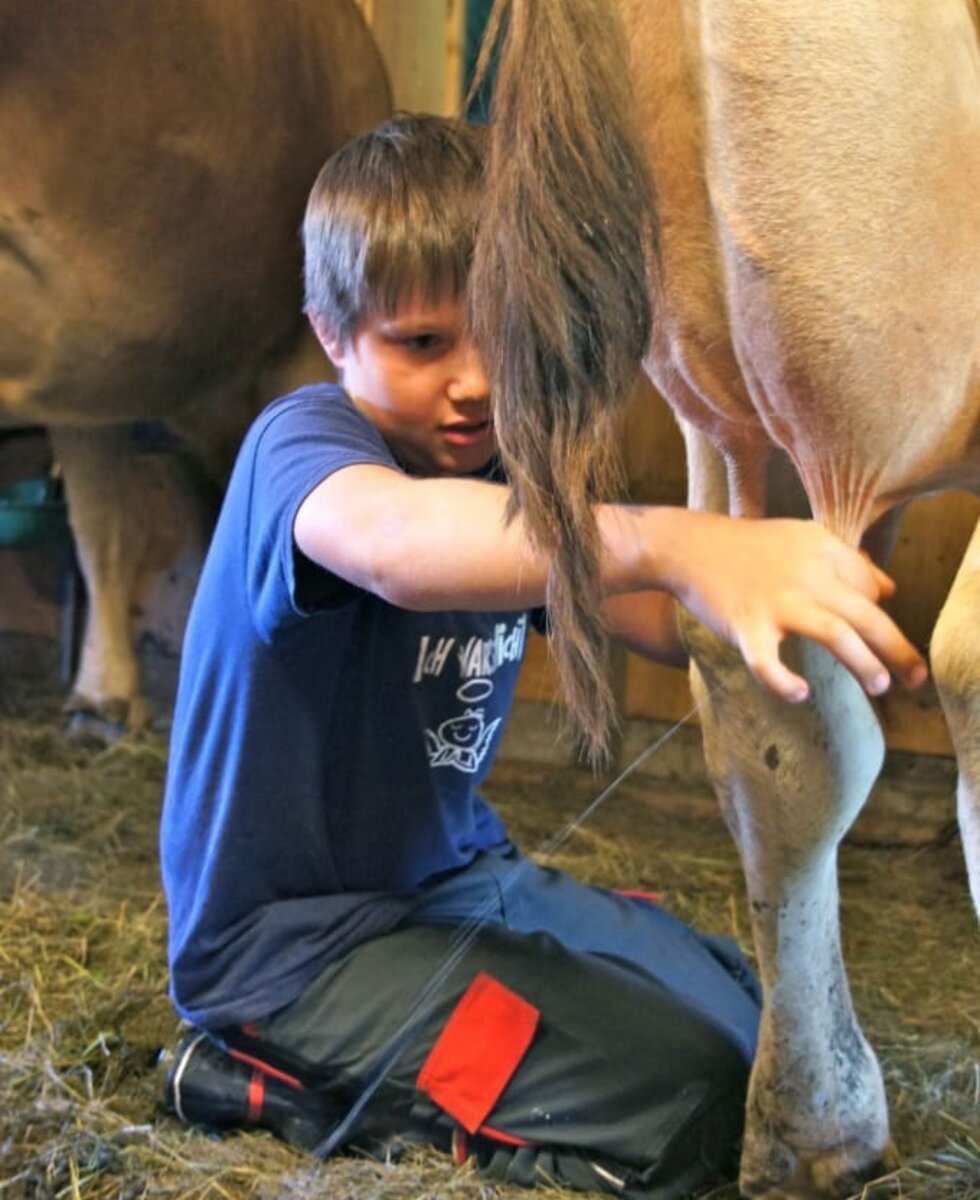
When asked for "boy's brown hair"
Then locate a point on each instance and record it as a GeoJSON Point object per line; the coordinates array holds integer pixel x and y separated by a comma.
{"type": "Point", "coordinates": [392, 216]}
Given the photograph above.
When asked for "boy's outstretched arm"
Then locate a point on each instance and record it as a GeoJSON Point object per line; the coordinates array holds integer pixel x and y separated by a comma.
{"type": "Point", "coordinates": [438, 543]}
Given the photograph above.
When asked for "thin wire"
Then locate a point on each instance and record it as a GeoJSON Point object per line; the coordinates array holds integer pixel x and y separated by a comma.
{"type": "Point", "coordinates": [464, 937]}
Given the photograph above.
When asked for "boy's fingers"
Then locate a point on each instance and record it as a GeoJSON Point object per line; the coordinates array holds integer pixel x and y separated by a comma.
{"type": "Point", "coordinates": [863, 638]}
{"type": "Point", "coordinates": [851, 649]}
{"type": "Point", "coordinates": [836, 636]}
{"type": "Point", "coordinates": [859, 571]}
{"type": "Point", "coordinates": [759, 647]}
{"type": "Point", "coordinates": [777, 678]}
{"type": "Point", "coordinates": [882, 640]}
{"type": "Point", "coordinates": [886, 585]}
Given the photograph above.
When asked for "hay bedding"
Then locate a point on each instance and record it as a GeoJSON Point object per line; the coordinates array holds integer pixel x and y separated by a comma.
{"type": "Point", "coordinates": [83, 1009]}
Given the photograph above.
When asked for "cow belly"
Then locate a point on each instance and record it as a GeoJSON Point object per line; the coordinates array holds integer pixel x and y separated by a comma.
{"type": "Point", "coordinates": [157, 160]}
{"type": "Point", "coordinates": [28, 328]}
{"type": "Point", "coordinates": [819, 272]}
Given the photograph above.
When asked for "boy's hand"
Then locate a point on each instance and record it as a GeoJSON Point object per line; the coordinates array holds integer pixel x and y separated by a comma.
{"type": "Point", "coordinates": [755, 582]}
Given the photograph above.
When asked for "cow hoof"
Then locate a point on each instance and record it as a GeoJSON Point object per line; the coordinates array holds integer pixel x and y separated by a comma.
{"type": "Point", "coordinates": [97, 725]}
{"type": "Point", "coordinates": [835, 1174]}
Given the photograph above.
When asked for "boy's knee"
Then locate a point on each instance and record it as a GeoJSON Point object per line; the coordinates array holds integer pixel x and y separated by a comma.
{"type": "Point", "coordinates": [704, 1152]}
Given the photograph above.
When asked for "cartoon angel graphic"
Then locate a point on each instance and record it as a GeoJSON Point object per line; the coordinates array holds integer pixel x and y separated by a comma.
{"type": "Point", "coordinates": [461, 741]}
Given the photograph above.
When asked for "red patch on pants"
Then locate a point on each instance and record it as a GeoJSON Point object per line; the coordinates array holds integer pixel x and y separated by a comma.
{"type": "Point", "coordinates": [478, 1051]}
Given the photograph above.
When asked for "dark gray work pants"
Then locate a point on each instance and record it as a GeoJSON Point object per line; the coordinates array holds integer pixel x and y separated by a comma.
{"type": "Point", "coordinates": [630, 1077]}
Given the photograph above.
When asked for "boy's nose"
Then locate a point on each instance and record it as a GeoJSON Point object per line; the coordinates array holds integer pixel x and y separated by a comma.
{"type": "Point", "coordinates": [469, 379]}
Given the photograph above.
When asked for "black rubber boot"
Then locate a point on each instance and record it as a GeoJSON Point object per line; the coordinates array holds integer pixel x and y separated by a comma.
{"type": "Point", "coordinates": [204, 1085]}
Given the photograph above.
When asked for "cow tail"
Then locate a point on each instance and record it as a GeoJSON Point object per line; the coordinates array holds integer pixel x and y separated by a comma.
{"type": "Point", "coordinates": [559, 301]}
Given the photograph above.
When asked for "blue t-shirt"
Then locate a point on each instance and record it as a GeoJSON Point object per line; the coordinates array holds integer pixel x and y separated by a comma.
{"type": "Point", "coordinates": [327, 746]}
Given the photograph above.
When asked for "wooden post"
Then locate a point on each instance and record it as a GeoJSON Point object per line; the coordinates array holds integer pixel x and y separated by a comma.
{"type": "Point", "coordinates": [421, 42]}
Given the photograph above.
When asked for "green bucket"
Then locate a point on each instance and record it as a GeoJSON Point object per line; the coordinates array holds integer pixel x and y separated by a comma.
{"type": "Point", "coordinates": [31, 511]}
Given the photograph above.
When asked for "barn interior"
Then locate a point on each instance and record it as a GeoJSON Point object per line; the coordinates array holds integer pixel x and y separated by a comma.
{"type": "Point", "coordinates": [83, 1005]}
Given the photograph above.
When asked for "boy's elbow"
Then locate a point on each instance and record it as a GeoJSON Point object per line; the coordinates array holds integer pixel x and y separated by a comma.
{"type": "Point", "coordinates": [395, 591]}
{"type": "Point", "coordinates": [400, 593]}
{"type": "Point", "coordinates": [396, 576]}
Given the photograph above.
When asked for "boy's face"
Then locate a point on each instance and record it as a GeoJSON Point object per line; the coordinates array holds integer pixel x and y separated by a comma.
{"type": "Point", "coordinates": [418, 378]}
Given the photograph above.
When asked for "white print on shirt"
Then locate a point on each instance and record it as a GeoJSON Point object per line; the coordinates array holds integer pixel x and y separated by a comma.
{"type": "Point", "coordinates": [432, 661]}
{"type": "Point", "coordinates": [462, 741]}
{"type": "Point", "coordinates": [476, 656]}
{"type": "Point", "coordinates": [484, 656]}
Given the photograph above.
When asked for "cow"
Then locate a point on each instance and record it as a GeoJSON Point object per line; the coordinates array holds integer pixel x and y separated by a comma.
{"type": "Point", "coordinates": [776, 205]}
{"type": "Point", "coordinates": [157, 159]}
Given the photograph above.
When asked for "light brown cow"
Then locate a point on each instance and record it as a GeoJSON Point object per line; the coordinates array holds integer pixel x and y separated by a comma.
{"type": "Point", "coordinates": [814, 276]}
{"type": "Point", "coordinates": [156, 161]}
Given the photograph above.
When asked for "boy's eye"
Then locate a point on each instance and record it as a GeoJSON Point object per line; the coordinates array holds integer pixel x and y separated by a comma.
{"type": "Point", "coordinates": [421, 342]}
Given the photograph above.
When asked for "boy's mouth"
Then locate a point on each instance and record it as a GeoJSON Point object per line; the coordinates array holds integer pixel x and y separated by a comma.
{"type": "Point", "coordinates": [467, 433]}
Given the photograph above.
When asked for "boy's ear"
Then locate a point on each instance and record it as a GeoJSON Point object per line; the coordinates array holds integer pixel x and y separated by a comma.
{"type": "Point", "coordinates": [333, 347]}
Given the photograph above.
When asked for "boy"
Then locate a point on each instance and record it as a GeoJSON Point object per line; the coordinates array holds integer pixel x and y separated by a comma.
{"type": "Point", "coordinates": [347, 915]}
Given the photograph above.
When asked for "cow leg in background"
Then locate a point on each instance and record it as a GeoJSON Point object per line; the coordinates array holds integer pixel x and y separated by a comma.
{"type": "Point", "coordinates": [103, 492]}
{"type": "Point", "coordinates": [141, 522]}
{"type": "Point", "coordinates": [955, 655]}
{"type": "Point", "coordinates": [791, 779]}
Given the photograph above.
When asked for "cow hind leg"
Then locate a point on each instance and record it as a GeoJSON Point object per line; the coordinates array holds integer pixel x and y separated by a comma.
{"type": "Point", "coordinates": [955, 655]}
{"type": "Point", "coordinates": [791, 779]}
{"type": "Point", "coordinates": [141, 512]}
{"type": "Point", "coordinates": [100, 469]}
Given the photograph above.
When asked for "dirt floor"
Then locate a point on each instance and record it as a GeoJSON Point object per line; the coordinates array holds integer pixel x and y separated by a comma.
{"type": "Point", "coordinates": [83, 1008]}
